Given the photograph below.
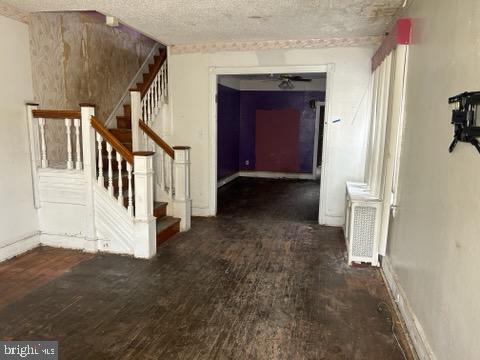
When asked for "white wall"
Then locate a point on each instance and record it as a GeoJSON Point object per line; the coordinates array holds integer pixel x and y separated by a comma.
{"type": "Point", "coordinates": [18, 218]}
{"type": "Point", "coordinates": [434, 243]}
{"type": "Point", "coordinates": [190, 87]}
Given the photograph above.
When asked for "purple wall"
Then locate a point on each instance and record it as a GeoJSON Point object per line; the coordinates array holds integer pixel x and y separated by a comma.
{"type": "Point", "coordinates": [251, 101]}
{"type": "Point", "coordinates": [228, 128]}
{"type": "Point", "coordinates": [236, 125]}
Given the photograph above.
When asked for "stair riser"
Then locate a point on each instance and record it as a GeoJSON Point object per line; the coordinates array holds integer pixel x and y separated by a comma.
{"type": "Point", "coordinates": [122, 136]}
{"type": "Point", "coordinates": [160, 212]}
{"type": "Point", "coordinates": [167, 233]}
{"type": "Point", "coordinates": [124, 123]}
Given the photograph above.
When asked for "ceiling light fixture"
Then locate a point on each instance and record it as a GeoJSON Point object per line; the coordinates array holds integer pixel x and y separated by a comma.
{"type": "Point", "coordinates": [286, 84]}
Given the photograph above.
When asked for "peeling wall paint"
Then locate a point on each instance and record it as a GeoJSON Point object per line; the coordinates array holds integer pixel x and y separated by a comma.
{"type": "Point", "coordinates": [77, 58]}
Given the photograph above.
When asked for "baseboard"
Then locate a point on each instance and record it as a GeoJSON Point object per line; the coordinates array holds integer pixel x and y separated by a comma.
{"type": "Point", "coordinates": [277, 175]}
{"type": "Point", "coordinates": [63, 241]}
{"type": "Point", "coordinates": [20, 246]}
{"type": "Point", "coordinates": [196, 211]}
{"type": "Point", "coordinates": [335, 221]}
{"type": "Point", "coordinates": [415, 330]}
{"type": "Point", "coordinates": [226, 180]}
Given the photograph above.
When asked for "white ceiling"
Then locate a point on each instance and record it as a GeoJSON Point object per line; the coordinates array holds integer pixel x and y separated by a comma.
{"type": "Point", "coordinates": [208, 21]}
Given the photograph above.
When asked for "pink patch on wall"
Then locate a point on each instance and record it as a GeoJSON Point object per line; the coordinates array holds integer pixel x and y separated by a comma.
{"type": "Point", "coordinates": [276, 140]}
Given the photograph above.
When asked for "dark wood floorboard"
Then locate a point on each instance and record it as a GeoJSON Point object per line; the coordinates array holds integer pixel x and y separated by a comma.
{"type": "Point", "coordinates": [233, 287]}
{"type": "Point", "coordinates": [270, 199]}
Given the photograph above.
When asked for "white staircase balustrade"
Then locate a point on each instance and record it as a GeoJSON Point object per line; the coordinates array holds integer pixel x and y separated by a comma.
{"type": "Point", "coordinates": [174, 175]}
{"type": "Point", "coordinates": [37, 121]}
{"type": "Point", "coordinates": [155, 97]}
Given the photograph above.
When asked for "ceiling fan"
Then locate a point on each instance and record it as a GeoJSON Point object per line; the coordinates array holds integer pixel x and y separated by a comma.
{"type": "Point", "coordinates": [287, 80]}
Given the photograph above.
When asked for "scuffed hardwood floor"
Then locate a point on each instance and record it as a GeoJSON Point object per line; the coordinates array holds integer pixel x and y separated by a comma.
{"type": "Point", "coordinates": [248, 284]}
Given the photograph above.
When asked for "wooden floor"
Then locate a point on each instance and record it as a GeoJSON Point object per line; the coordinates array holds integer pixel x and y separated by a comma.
{"type": "Point", "coordinates": [248, 284]}
{"type": "Point", "coordinates": [33, 269]}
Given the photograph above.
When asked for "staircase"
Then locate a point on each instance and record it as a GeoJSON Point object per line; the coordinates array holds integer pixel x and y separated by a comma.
{"type": "Point", "coordinates": [131, 187]}
{"type": "Point", "coordinates": [167, 226]}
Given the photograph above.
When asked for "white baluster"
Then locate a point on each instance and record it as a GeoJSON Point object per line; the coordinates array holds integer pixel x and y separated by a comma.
{"type": "Point", "coordinates": [147, 108]}
{"type": "Point", "coordinates": [100, 178]}
{"type": "Point", "coordinates": [110, 170]}
{"type": "Point", "coordinates": [162, 170]}
{"type": "Point", "coordinates": [170, 176]}
{"type": "Point", "coordinates": [150, 110]}
{"type": "Point", "coordinates": [154, 92]}
{"type": "Point", "coordinates": [158, 93]}
{"type": "Point", "coordinates": [68, 125]}
{"type": "Point", "coordinates": [120, 180]}
{"type": "Point", "coordinates": [43, 146]}
{"type": "Point", "coordinates": [78, 163]}
{"type": "Point", "coordinates": [165, 83]}
{"type": "Point", "coordinates": [130, 192]}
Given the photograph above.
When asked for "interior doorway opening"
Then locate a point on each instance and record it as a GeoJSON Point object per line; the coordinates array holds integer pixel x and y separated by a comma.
{"type": "Point", "coordinates": [270, 135]}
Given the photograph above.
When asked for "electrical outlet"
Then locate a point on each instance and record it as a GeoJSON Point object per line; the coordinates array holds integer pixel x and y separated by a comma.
{"type": "Point", "coordinates": [247, 162]}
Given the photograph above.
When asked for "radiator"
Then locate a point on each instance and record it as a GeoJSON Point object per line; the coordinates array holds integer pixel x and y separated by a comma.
{"type": "Point", "coordinates": [362, 224]}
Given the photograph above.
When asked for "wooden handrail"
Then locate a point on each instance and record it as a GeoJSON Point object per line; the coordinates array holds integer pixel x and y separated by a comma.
{"type": "Point", "coordinates": [157, 139]}
{"type": "Point", "coordinates": [112, 140]}
{"type": "Point", "coordinates": [56, 114]}
{"type": "Point", "coordinates": [153, 73]}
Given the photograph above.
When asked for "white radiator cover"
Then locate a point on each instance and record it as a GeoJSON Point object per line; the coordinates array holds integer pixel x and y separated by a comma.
{"type": "Point", "coordinates": [362, 224]}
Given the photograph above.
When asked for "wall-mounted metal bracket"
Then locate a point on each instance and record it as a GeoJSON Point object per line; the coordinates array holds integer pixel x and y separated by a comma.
{"type": "Point", "coordinates": [464, 119]}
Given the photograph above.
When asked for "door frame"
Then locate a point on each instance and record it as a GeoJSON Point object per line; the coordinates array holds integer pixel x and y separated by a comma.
{"type": "Point", "coordinates": [318, 104]}
{"type": "Point", "coordinates": [249, 70]}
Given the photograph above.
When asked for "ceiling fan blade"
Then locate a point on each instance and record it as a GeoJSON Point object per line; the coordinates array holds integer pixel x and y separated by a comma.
{"type": "Point", "coordinates": [298, 78]}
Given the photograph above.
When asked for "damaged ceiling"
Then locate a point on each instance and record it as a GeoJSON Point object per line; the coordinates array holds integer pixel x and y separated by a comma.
{"type": "Point", "coordinates": [210, 21]}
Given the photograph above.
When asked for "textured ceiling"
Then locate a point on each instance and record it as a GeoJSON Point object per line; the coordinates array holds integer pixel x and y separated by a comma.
{"type": "Point", "coordinates": [209, 21]}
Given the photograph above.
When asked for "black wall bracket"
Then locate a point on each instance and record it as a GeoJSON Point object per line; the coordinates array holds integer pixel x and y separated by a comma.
{"type": "Point", "coordinates": [464, 119]}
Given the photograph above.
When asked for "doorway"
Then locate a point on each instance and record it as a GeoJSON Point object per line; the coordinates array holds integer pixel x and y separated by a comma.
{"type": "Point", "coordinates": [270, 129]}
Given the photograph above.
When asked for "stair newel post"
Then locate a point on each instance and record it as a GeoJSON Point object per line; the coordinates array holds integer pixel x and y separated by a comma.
{"type": "Point", "coordinates": [145, 222]}
{"type": "Point", "coordinates": [89, 171]}
{"type": "Point", "coordinates": [136, 110]}
{"type": "Point", "coordinates": [33, 134]}
{"type": "Point", "coordinates": [182, 203]}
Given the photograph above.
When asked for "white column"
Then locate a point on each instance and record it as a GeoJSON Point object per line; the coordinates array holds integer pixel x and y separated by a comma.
{"type": "Point", "coordinates": [68, 126]}
{"type": "Point", "coordinates": [33, 133]}
{"type": "Point", "coordinates": [130, 189]}
{"type": "Point", "coordinates": [120, 180]}
{"type": "Point", "coordinates": [78, 151]}
{"type": "Point", "coordinates": [182, 203]}
{"type": "Point", "coordinates": [100, 178]}
{"type": "Point", "coordinates": [110, 169]}
{"type": "Point", "coordinates": [89, 171]}
{"type": "Point", "coordinates": [136, 106]}
{"type": "Point", "coordinates": [145, 222]}
{"type": "Point", "coordinates": [43, 145]}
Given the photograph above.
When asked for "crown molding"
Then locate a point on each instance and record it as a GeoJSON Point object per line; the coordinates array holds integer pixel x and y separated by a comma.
{"type": "Point", "coordinates": [13, 12]}
{"type": "Point", "coordinates": [275, 44]}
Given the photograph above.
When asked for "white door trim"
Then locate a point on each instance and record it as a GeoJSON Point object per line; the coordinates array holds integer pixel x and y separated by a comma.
{"type": "Point", "coordinates": [216, 71]}
{"type": "Point", "coordinates": [318, 104]}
